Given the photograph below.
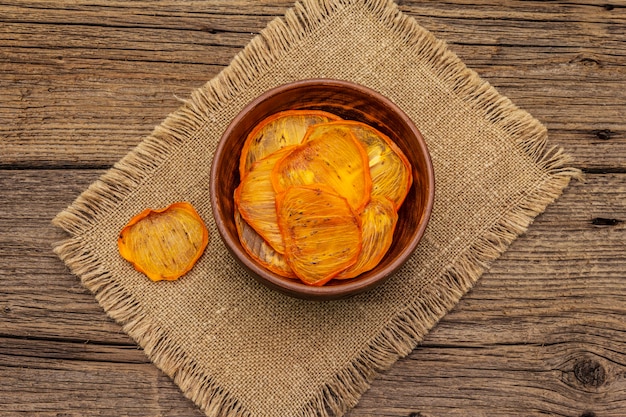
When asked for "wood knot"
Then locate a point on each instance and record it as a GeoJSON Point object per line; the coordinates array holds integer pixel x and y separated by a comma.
{"type": "Point", "coordinates": [585, 61]}
{"type": "Point", "coordinates": [608, 7]}
{"type": "Point", "coordinates": [590, 373]}
{"type": "Point", "coordinates": [588, 414]}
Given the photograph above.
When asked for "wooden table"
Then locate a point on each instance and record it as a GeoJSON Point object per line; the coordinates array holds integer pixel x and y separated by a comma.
{"type": "Point", "coordinates": [542, 333]}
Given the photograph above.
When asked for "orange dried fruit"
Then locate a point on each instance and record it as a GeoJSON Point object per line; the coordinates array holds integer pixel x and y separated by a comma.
{"type": "Point", "coordinates": [329, 154]}
{"type": "Point", "coordinates": [260, 250]}
{"type": "Point", "coordinates": [378, 222]}
{"type": "Point", "coordinates": [164, 244]}
{"type": "Point", "coordinates": [319, 195]}
{"type": "Point", "coordinates": [321, 230]}
{"type": "Point", "coordinates": [390, 169]}
{"type": "Point", "coordinates": [255, 199]}
{"type": "Point", "coordinates": [277, 131]}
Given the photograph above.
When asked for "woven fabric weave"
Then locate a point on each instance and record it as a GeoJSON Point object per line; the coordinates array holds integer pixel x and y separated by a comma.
{"type": "Point", "coordinates": [237, 348]}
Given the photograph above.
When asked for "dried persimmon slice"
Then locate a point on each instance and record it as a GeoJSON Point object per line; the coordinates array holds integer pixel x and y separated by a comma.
{"type": "Point", "coordinates": [322, 232]}
{"type": "Point", "coordinates": [390, 169]}
{"type": "Point", "coordinates": [255, 199]}
{"type": "Point", "coordinates": [260, 250]}
{"type": "Point", "coordinates": [277, 131]}
{"type": "Point", "coordinates": [378, 222]}
{"type": "Point", "coordinates": [330, 154]}
{"type": "Point", "coordinates": [164, 244]}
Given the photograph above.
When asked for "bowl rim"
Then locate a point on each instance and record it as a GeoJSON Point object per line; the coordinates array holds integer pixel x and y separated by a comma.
{"type": "Point", "coordinates": [295, 287]}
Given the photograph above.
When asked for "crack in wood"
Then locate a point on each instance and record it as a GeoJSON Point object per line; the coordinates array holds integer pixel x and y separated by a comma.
{"type": "Point", "coordinates": [603, 221]}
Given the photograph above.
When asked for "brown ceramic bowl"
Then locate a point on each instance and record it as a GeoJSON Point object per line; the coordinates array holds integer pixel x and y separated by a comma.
{"type": "Point", "coordinates": [349, 101]}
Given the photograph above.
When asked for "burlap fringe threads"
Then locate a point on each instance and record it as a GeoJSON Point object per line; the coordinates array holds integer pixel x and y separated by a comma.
{"type": "Point", "coordinates": [408, 328]}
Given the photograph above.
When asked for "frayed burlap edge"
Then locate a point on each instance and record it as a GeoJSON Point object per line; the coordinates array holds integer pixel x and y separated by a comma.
{"type": "Point", "coordinates": [408, 328]}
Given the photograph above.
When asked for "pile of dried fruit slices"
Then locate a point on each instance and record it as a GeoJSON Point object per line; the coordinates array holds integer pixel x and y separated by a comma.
{"type": "Point", "coordinates": [319, 196]}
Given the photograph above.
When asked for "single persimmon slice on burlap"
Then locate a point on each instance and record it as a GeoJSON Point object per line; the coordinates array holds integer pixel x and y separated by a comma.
{"type": "Point", "coordinates": [322, 232]}
{"type": "Point", "coordinates": [277, 131]}
{"type": "Point", "coordinates": [260, 250]}
{"type": "Point", "coordinates": [378, 222]}
{"type": "Point", "coordinates": [330, 154]}
{"type": "Point", "coordinates": [164, 244]}
{"type": "Point", "coordinates": [390, 169]}
{"type": "Point", "coordinates": [255, 199]}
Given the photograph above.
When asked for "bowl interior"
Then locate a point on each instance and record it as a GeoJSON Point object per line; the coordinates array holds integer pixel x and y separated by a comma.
{"type": "Point", "coordinates": [349, 101]}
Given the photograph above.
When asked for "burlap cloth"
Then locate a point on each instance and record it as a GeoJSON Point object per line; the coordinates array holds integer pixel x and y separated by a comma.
{"type": "Point", "coordinates": [238, 349]}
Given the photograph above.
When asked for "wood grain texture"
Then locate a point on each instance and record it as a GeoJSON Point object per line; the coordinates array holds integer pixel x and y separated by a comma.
{"type": "Point", "coordinates": [542, 333]}
{"type": "Point", "coordinates": [83, 82]}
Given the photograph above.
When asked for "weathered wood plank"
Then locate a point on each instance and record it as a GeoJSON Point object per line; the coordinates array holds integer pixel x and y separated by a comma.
{"type": "Point", "coordinates": [542, 332]}
{"type": "Point", "coordinates": [83, 82]}
{"type": "Point", "coordinates": [122, 13]}
{"type": "Point", "coordinates": [499, 381]}
{"type": "Point", "coordinates": [87, 385]}
{"type": "Point", "coordinates": [39, 298]}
